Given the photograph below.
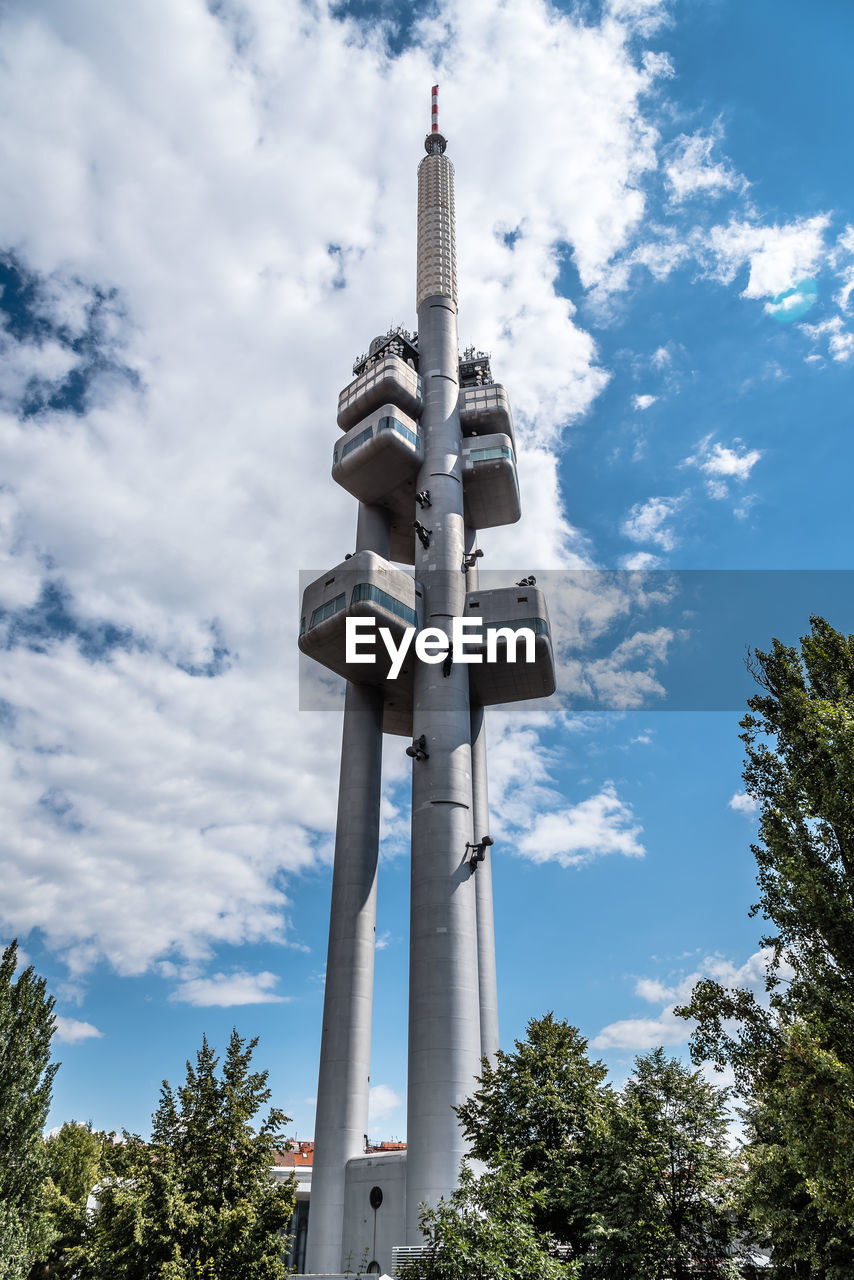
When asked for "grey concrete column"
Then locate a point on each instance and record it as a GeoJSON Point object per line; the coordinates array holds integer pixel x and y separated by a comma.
{"type": "Point", "coordinates": [372, 530]}
{"type": "Point", "coordinates": [444, 1022]}
{"type": "Point", "coordinates": [343, 1086]}
{"type": "Point", "coordinates": [486, 976]}
{"type": "Point", "coordinates": [487, 982]}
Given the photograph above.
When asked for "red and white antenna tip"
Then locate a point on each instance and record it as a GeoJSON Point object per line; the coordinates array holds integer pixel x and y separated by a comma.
{"type": "Point", "coordinates": [434, 143]}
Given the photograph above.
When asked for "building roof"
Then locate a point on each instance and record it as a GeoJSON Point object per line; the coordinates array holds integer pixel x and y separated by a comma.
{"type": "Point", "coordinates": [301, 1155]}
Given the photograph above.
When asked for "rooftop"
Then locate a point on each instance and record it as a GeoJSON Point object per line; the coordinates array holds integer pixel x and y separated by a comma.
{"type": "Point", "coordinates": [301, 1155]}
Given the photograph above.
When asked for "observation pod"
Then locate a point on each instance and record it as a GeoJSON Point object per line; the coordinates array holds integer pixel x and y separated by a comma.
{"type": "Point", "coordinates": [365, 586]}
{"type": "Point", "coordinates": [378, 459]}
{"type": "Point", "coordinates": [377, 462]}
{"type": "Point", "coordinates": [388, 380]}
{"type": "Point", "coordinates": [485, 410]}
{"type": "Point", "coordinates": [490, 482]}
{"type": "Point", "coordinates": [513, 608]}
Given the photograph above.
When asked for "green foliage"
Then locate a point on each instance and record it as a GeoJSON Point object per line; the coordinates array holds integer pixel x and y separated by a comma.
{"type": "Point", "coordinates": [546, 1109]}
{"type": "Point", "coordinates": [794, 1061]}
{"type": "Point", "coordinates": [75, 1160]}
{"type": "Point", "coordinates": [486, 1231]}
{"type": "Point", "coordinates": [665, 1192]}
{"type": "Point", "coordinates": [804, 780]}
{"type": "Point", "coordinates": [26, 1078]}
{"type": "Point", "coordinates": [779, 1207]}
{"type": "Point", "coordinates": [584, 1182]}
{"type": "Point", "coordinates": [199, 1197]}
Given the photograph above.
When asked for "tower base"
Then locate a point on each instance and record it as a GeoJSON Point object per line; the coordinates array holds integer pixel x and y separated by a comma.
{"type": "Point", "coordinates": [373, 1226]}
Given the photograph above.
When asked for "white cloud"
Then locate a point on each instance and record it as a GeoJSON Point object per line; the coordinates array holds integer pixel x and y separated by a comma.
{"type": "Point", "coordinates": [146, 814]}
{"type": "Point", "coordinates": [691, 169]}
{"type": "Point", "coordinates": [749, 974]}
{"type": "Point", "coordinates": [841, 346]}
{"type": "Point", "coordinates": [779, 257]}
{"type": "Point", "coordinates": [626, 677]}
{"type": "Point", "coordinates": [744, 802]}
{"type": "Point", "coordinates": [653, 991]}
{"type": "Point", "coordinates": [223, 990]}
{"type": "Point", "coordinates": [842, 260]}
{"type": "Point", "coordinates": [640, 1034]}
{"type": "Point", "coordinates": [661, 254]}
{"type": "Point", "coordinates": [514, 795]}
{"type": "Point", "coordinates": [665, 1028]}
{"type": "Point", "coordinates": [646, 15]}
{"type": "Point", "coordinates": [382, 1102]}
{"type": "Point", "coordinates": [648, 521]}
{"type": "Point", "coordinates": [549, 541]}
{"type": "Point", "coordinates": [791, 304]}
{"type": "Point", "coordinates": [603, 654]}
{"type": "Point", "coordinates": [743, 507]}
{"type": "Point", "coordinates": [840, 342]}
{"type": "Point", "coordinates": [73, 1031]}
{"type": "Point", "coordinates": [600, 825]}
{"type": "Point", "coordinates": [643, 402]}
{"type": "Point", "coordinates": [638, 561]}
{"type": "Point", "coordinates": [721, 464]}
{"type": "Point", "coordinates": [22, 361]}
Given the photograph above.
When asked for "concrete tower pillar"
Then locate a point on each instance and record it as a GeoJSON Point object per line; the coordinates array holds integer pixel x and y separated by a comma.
{"type": "Point", "coordinates": [487, 980]}
{"type": "Point", "coordinates": [343, 1085]}
{"type": "Point", "coordinates": [444, 1020]}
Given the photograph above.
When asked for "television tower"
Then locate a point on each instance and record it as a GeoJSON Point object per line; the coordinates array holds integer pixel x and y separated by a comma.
{"type": "Point", "coordinates": [429, 452]}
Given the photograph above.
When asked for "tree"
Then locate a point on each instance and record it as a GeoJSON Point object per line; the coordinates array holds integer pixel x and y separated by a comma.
{"type": "Point", "coordinates": [486, 1231]}
{"type": "Point", "coordinates": [26, 1077]}
{"type": "Point", "coordinates": [665, 1193]}
{"type": "Point", "coordinates": [794, 1060]}
{"type": "Point", "coordinates": [200, 1193]}
{"type": "Point", "coordinates": [545, 1111]}
{"type": "Point", "coordinates": [580, 1181]}
{"type": "Point", "coordinates": [76, 1158]}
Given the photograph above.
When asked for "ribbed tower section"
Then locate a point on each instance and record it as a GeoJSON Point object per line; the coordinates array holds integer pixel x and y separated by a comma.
{"type": "Point", "coordinates": [437, 243]}
{"type": "Point", "coordinates": [428, 450]}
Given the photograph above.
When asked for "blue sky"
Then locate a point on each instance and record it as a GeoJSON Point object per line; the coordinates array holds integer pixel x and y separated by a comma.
{"type": "Point", "coordinates": [207, 213]}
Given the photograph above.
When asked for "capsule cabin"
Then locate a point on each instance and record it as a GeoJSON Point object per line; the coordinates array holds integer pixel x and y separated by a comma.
{"type": "Point", "coordinates": [490, 482]}
{"type": "Point", "coordinates": [377, 462]}
{"type": "Point", "coordinates": [380, 456]}
{"type": "Point", "coordinates": [485, 410]}
{"type": "Point", "coordinates": [388, 379]}
{"type": "Point", "coordinates": [504, 681]}
{"type": "Point", "coordinates": [365, 586]}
